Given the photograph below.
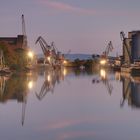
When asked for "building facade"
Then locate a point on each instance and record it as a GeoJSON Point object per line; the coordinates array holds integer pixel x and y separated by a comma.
{"type": "Point", "coordinates": [13, 42]}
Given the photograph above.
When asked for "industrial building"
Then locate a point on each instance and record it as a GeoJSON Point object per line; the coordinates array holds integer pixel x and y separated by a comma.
{"type": "Point", "coordinates": [13, 42]}
{"type": "Point", "coordinates": [131, 47]}
{"type": "Point", "coordinates": [16, 42]}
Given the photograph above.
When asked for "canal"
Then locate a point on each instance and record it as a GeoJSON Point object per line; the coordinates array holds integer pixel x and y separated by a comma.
{"type": "Point", "coordinates": [70, 104]}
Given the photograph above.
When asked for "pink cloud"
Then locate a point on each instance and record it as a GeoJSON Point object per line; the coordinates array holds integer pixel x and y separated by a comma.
{"type": "Point", "coordinates": [59, 6]}
{"type": "Point", "coordinates": [65, 7]}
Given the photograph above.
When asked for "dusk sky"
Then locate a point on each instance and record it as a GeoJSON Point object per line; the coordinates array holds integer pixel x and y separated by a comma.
{"type": "Point", "coordinates": [82, 26]}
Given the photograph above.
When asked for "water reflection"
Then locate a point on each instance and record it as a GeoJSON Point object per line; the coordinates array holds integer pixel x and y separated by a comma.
{"type": "Point", "coordinates": [58, 117]}
{"type": "Point", "coordinates": [51, 77]}
{"type": "Point", "coordinates": [55, 76]}
{"type": "Point", "coordinates": [105, 79]}
{"type": "Point", "coordinates": [16, 87]}
{"type": "Point", "coordinates": [130, 86]}
{"type": "Point", "coordinates": [131, 90]}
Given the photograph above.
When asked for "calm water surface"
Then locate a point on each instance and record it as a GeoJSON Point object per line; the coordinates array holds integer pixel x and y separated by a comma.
{"type": "Point", "coordinates": [70, 105]}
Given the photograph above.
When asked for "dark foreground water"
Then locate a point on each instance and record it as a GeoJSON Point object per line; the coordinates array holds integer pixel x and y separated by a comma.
{"type": "Point", "coordinates": [70, 105]}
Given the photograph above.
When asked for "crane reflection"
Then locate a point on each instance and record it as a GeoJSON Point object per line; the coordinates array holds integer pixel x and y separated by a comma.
{"type": "Point", "coordinates": [52, 77]}
{"type": "Point", "coordinates": [103, 77]}
{"type": "Point", "coordinates": [131, 90]}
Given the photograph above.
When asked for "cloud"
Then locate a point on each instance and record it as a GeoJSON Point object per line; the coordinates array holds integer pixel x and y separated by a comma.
{"type": "Point", "coordinates": [59, 6]}
{"type": "Point", "coordinates": [56, 6]}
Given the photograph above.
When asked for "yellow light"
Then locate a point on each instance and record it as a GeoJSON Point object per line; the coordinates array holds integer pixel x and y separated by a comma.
{"type": "Point", "coordinates": [49, 78]}
{"type": "Point", "coordinates": [103, 62]}
{"type": "Point", "coordinates": [30, 54]}
{"type": "Point", "coordinates": [30, 84]}
{"type": "Point", "coordinates": [49, 58]}
{"type": "Point", "coordinates": [118, 76]}
{"type": "Point", "coordinates": [103, 73]}
{"type": "Point", "coordinates": [64, 62]}
{"type": "Point", "coordinates": [64, 72]}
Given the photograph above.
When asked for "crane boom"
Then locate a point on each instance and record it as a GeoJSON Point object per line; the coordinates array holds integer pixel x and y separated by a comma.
{"type": "Point", "coordinates": [43, 44]}
{"type": "Point", "coordinates": [108, 49]}
{"type": "Point", "coordinates": [40, 38]}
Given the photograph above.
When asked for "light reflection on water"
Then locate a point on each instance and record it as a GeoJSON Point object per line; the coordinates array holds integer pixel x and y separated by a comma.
{"type": "Point", "coordinates": [70, 104]}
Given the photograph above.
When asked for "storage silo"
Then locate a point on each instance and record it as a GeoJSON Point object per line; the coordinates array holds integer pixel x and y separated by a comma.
{"type": "Point", "coordinates": [135, 50]}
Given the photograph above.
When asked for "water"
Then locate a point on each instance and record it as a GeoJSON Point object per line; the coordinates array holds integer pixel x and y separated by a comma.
{"type": "Point", "coordinates": [70, 105]}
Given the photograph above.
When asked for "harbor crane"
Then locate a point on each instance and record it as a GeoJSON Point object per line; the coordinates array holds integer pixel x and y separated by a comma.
{"type": "Point", "coordinates": [105, 54]}
{"type": "Point", "coordinates": [122, 35]}
{"type": "Point", "coordinates": [52, 56]}
{"type": "Point", "coordinates": [108, 49]}
{"type": "Point", "coordinates": [45, 48]}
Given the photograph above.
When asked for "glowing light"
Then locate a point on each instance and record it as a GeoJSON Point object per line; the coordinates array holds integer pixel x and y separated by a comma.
{"type": "Point", "coordinates": [64, 62]}
{"type": "Point", "coordinates": [49, 78]}
{"type": "Point", "coordinates": [49, 58]}
{"type": "Point", "coordinates": [103, 62]}
{"type": "Point", "coordinates": [64, 72]}
{"type": "Point", "coordinates": [118, 76]}
{"type": "Point", "coordinates": [103, 73]}
{"type": "Point", "coordinates": [30, 84]}
{"type": "Point", "coordinates": [30, 54]}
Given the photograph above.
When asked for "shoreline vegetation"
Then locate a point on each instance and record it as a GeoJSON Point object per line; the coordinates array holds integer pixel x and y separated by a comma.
{"type": "Point", "coordinates": [14, 59]}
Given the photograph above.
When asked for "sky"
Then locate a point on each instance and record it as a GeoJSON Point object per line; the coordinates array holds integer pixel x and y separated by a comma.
{"type": "Point", "coordinates": [81, 26]}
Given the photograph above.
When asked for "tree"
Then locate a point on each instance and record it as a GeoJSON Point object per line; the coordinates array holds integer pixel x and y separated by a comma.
{"type": "Point", "coordinates": [14, 58]}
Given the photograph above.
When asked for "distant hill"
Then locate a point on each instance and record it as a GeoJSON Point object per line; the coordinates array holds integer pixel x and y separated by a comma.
{"type": "Point", "coordinates": [78, 56]}
{"type": "Point", "coordinates": [73, 56]}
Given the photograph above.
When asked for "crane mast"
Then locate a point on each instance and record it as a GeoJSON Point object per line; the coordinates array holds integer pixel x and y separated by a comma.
{"type": "Point", "coordinates": [24, 45]}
